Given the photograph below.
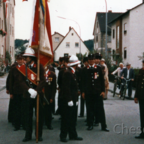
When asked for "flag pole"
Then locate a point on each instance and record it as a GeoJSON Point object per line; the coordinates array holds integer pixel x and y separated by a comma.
{"type": "Point", "coordinates": [38, 80]}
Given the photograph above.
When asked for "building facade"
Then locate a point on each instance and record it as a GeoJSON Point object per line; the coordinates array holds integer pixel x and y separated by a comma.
{"type": "Point", "coordinates": [127, 36]}
{"type": "Point", "coordinates": [10, 22]}
{"type": "Point", "coordinates": [56, 39]}
{"type": "Point", "coordinates": [99, 31]}
{"type": "Point", "coordinates": [71, 44]}
{"type": "Point", "coordinates": [3, 30]}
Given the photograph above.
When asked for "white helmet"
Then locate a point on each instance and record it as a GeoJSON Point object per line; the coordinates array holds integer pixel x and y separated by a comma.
{"type": "Point", "coordinates": [73, 60]}
{"type": "Point", "coordinates": [29, 52]}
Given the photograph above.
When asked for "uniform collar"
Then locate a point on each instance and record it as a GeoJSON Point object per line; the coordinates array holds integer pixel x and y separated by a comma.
{"type": "Point", "coordinates": [73, 70]}
{"type": "Point", "coordinates": [47, 71]}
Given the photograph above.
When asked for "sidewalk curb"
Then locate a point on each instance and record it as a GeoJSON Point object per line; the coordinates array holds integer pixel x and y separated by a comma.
{"type": "Point", "coordinates": [3, 88]}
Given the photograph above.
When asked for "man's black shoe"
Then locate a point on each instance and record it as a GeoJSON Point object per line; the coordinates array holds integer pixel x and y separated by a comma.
{"type": "Point", "coordinates": [105, 129]}
{"type": "Point", "coordinates": [141, 136]}
{"type": "Point", "coordinates": [16, 129]}
{"type": "Point", "coordinates": [50, 127]}
{"type": "Point", "coordinates": [77, 138]}
{"type": "Point", "coordinates": [63, 140]}
{"type": "Point", "coordinates": [90, 128]}
{"type": "Point", "coordinates": [26, 139]}
{"type": "Point", "coordinates": [40, 139]}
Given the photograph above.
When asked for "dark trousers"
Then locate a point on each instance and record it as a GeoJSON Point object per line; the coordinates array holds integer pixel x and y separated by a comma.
{"type": "Point", "coordinates": [48, 114]}
{"type": "Point", "coordinates": [11, 111]}
{"type": "Point", "coordinates": [129, 88]}
{"type": "Point", "coordinates": [30, 104]}
{"type": "Point", "coordinates": [95, 107]}
{"type": "Point", "coordinates": [82, 101]}
{"type": "Point", "coordinates": [17, 110]}
{"type": "Point", "coordinates": [141, 107]}
{"type": "Point", "coordinates": [68, 121]}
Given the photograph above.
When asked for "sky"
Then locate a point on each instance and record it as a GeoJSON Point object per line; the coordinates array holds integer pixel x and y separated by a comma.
{"type": "Point", "coordinates": [81, 11]}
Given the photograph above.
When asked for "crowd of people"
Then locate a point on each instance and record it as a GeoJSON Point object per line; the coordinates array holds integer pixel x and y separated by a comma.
{"type": "Point", "coordinates": [87, 79]}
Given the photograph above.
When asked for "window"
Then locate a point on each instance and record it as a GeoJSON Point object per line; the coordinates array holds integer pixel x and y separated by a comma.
{"type": "Point", "coordinates": [56, 39]}
{"type": "Point", "coordinates": [96, 38]}
{"type": "Point", "coordinates": [113, 33]}
{"type": "Point", "coordinates": [97, 24]}
{"type": "Point", "coordinates": [72, 34]}
{"type": "Point", "coordinates": [2, 51]}
{"type": "Point", "coordinates": [2, 24]}
{"type": "Point", "coordinates": [67, 44]}
{"type": "Point", "coordinates": [125, 28]}
{"type": "Point", "coordinates": [66, 54]}
{"type": "Point", "coordinates": [76, 44]}
{"type": "Point", "coordinates": [109, 38]}
{"type": "Point", "coordinates": [125, 54]}
{"type": "Point", "coordinates": [13, 12]}
{"type": "Point", "coordinates": [113, 53]}
{"type": "Point", "coordinates": [117, 42]}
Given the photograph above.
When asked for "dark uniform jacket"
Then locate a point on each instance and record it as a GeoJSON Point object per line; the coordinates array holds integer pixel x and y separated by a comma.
{"type": "Point", "coordinates": [50, 86]}
{"type": "Point", "coordinates": [131, 73]}
{"type": "Point", "coordinates": [92, 80]}
{"type": "Point", "coordinates": [39, 87]}
{"type": "Point", "coordinates": [60, 76]}
{"type": "Point", "coordinates": [14, 85]}
{"type": "Point", "coordinates": [140, 85]}
{"type": "Point", "coordinates": [69, 86]}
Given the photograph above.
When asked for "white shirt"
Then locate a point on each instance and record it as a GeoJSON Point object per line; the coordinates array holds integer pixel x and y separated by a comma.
{"type": "Point", "coordinates": [128, 70]}
{"type": "Point", "coordinates": [47, 71]}
{"type": "Point", "coordinates": [118, 71]}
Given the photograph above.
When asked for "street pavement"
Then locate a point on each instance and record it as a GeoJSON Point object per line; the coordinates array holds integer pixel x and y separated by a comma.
{"type": "Point", "coordinates": [122, 118]}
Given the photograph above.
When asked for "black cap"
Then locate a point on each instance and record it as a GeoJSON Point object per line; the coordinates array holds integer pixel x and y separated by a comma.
{"type": "Point", "coordinates": [91, 56]}
{"type": "Point", "coordinates": [66, 59]}
{"type": "Point", "coordinates": [61, 59]}
{"type": "Point", "coordinates": [19, 56]}
{"type": "Point", "coordinates": [85, 59]}
{"type": "Point", "coordinates": [98, 56]}
{"type": "Point", "coordinates": [143, 60]}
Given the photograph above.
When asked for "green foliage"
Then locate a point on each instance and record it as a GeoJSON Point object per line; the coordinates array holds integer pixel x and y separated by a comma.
{"type": "Point", "coordinates": [8, 57]}
{"type": "Point", "coordinates": [20, 42]}
{"type": "Point", "coordinates": [89, 44]}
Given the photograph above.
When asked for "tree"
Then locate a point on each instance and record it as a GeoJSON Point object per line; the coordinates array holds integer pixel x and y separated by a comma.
{"type": "Point", "coordinates": [8, 57]}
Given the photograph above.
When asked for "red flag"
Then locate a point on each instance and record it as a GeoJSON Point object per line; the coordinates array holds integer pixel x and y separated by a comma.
{"type": "Point", "coordinates": [46, 48]}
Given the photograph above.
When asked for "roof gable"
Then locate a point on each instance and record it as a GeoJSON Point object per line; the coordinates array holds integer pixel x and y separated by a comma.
{"type": "Point", "coordinates": [66, 37]}
{"type": "Point", "coordinates": [101, 16]}
{"type": "Point", "coordinates": [58, 34]}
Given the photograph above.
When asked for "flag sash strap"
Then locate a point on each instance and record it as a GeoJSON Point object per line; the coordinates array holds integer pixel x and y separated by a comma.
{"type": "Point", "coordinates": [30, 74]}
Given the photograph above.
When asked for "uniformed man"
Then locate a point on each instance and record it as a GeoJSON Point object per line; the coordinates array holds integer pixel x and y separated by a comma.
{"type": "Point", "coordinates": [30, 88]}
{"type": "Point", "coordinates": [139, 98]}
{"type": "Point", "coordinates": [11, 101]}
{"type": "Point", "coordinates": [93, 91]}
{"type": "Point", "coordinates": [16, 93]}
{"type": "Point", "coordinates": [69, 98]}
{"type": "Point", "coordinates": [82, 101]}
{"type": "Point", "coordinates": [49, 90]}
{"type": "Point", "coordinates": [60, 75]}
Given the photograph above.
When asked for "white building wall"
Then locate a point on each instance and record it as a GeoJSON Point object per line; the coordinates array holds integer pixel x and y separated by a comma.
{"type": "Point", "coordinates": [10, 39]}
{"type": "Point", "coordinates": [2, 38]}
{"type": "Point", "coordinates": [72, 50]}
{"type": "Point", "coordinates": [136, 36]}
{"type": "Point", "coordinates": [126, 38]}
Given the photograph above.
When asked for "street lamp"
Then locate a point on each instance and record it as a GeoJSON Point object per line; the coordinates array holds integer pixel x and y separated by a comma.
{"type": "Point", "coordinates": [106, 31]}
{"type": "Point", "coordinates": [79, 31]}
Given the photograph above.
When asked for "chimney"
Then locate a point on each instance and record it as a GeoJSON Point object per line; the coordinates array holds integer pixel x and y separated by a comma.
{"type": "Point", "coordinates": [110, 11]}
{"type": "Point", "coordinates": [70, 28]}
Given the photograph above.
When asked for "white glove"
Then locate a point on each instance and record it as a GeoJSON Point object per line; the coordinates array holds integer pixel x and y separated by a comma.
{"type": "Point", "coordinates": [77, 103]}
{"type": "Point", "coordinates": [70, 103]}
{"type": "Point", "coordinates": [32, 93]}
